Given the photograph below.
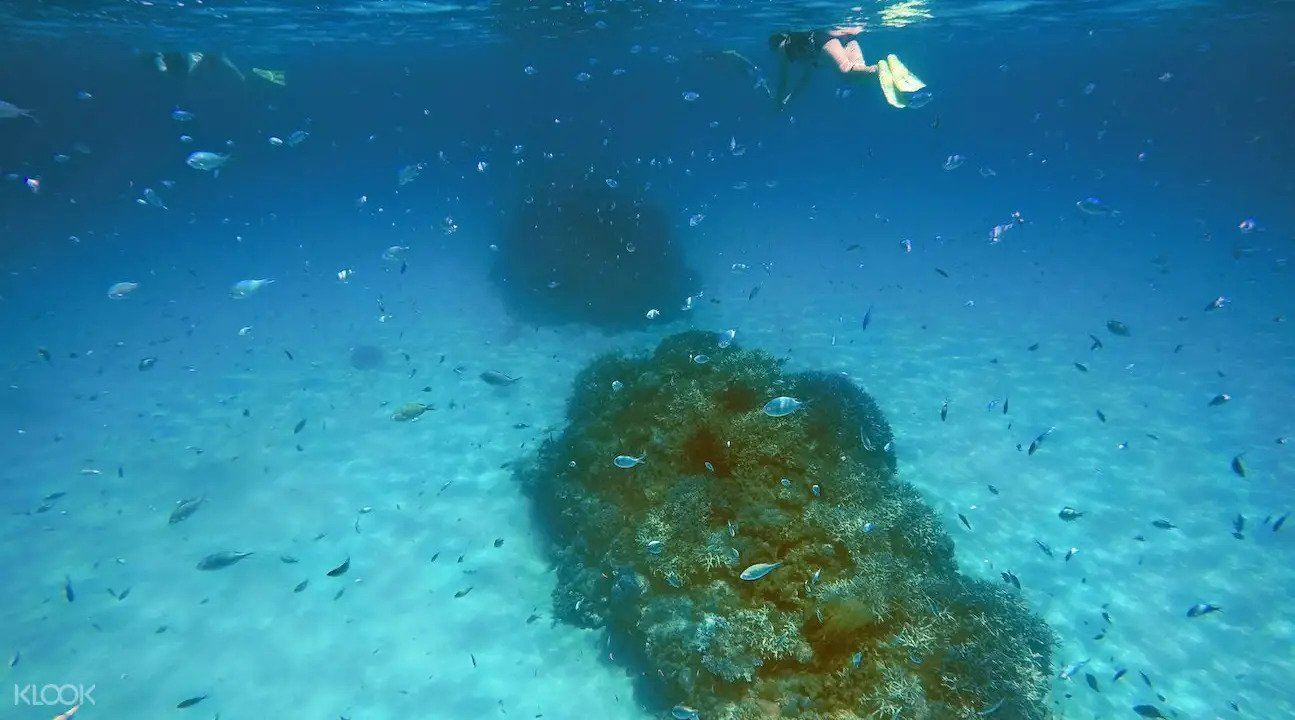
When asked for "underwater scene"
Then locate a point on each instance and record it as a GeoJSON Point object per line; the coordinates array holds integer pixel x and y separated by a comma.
{"type": "Point", "coordinates": [647, 359]}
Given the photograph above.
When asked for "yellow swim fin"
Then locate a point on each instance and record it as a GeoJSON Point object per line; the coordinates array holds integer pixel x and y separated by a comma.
{"type": "Point", "coordinates": [275, 76]}
{"type": "Point", "coordinates": [905, 81]}
{"type": "Point", "coordinates": [888, 84]}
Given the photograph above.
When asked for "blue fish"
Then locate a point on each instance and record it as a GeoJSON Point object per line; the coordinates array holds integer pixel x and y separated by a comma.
{"type": "Point", "coordinates": [1094, 206]}
{"type": "Point", "coordinates": [627, 461]}
{"type": "Point", "coordinates": [759, 570]}
{"type": "Point", "coordinates": [1071, 669]}
{"type": "Point", "coordinates": [1200, 609]}
{"type": "Point", "coordinates": [782, 406]}
{"type": "Point", "coordinates": [919, 99]}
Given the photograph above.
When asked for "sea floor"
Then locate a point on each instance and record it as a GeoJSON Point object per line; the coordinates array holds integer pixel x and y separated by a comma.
{"type": "Point", "coordinates": [445, 612]}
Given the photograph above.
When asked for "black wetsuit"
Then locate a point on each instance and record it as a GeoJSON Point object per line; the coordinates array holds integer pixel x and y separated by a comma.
{"type": "Point", "coordinates": [800, 47]}
{"type": "Point", "coordinates": [805, 44]}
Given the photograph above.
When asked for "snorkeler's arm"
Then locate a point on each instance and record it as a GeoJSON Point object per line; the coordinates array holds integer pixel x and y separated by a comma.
{"type": "Point", "coordinates": [224, 60]}
{"type": "Point", "coordinates": [801, 84]}
{"type": "Point", "coordinates": [780, 96]}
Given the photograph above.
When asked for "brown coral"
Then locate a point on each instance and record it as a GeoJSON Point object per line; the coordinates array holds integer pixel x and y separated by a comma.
{"type": "Point", "coordinates": [867, 616]}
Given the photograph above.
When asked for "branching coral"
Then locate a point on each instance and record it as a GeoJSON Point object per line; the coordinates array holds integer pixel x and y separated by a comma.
{"type": "Point", "coordinates": [733, 647]}
{"type": "Point", "coordinates": [866, 614]}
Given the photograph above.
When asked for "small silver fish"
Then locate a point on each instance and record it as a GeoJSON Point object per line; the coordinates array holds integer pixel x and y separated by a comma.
{"type": "Point", "coordinates": [121, 290]}
{"type": "Point", "coordinates": [683, 712]}
{"type": "Point", "coordinates": [498, 379]}
{"type": "Point", "coordinates": [701, 359]}
{"type": "Point", "coordinates": [206, 161]}
{"type": "Point", "coordinates": [655, 547]}
{"type": "Point", "coordinates": [1202, 609]}
{"type": "Point", "coordinates": [726, 338]}
{"type": "Point", "coordinates": [409, 173]}
{"type": "Point", "coordinates": [151, 198]}
{"type": "Point", "coordinates": [245, 288]}
{"type": "Point", "coordinates": [395, 253]}
{"type": "Point", "coordinates": [782, 406]}
{"type": "Point", "coordinates": [626, 462]}
{"type": "Point", "coordinates": [1070, 670]}
{"type": "Point", "coordinates": [184, 509]}
{"type": "Point", "coordinates": [759, 570]}
{"type": "Point", "coordinates": [216, 561]}
{"type": "Point", "coordinates": [617, 386]}
{"type": "Point", "coordinates": [1094, 206]}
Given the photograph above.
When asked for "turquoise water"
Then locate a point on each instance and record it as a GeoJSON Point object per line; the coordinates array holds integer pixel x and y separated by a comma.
{"type": "Point", "coordinates": [446, 212]}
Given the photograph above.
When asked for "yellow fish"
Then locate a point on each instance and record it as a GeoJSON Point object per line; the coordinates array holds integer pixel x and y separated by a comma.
{"type": "Point", "coordinates": [410, 411]}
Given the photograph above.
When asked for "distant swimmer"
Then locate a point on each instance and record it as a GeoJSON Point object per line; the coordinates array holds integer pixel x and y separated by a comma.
{"type": "Point", "coordinates": [806, 47]}
{"type": "Point", "coordinates": [185, 64]}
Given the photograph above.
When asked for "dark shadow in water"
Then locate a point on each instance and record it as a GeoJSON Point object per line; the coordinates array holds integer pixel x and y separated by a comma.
{"type": "Point", "coordinates": [367, 357]}
{"type": "Point", "coordinates": [589, 254]}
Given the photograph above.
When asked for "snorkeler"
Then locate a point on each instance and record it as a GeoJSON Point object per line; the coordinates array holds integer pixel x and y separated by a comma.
{"type": "Point", "coordinates": [806, 47]}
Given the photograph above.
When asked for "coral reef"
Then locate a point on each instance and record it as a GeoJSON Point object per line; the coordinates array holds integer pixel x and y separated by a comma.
{"type": "Point", "coordinates": [591, 255]}
{"type": "Point", "coordinates": [865, 617]}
